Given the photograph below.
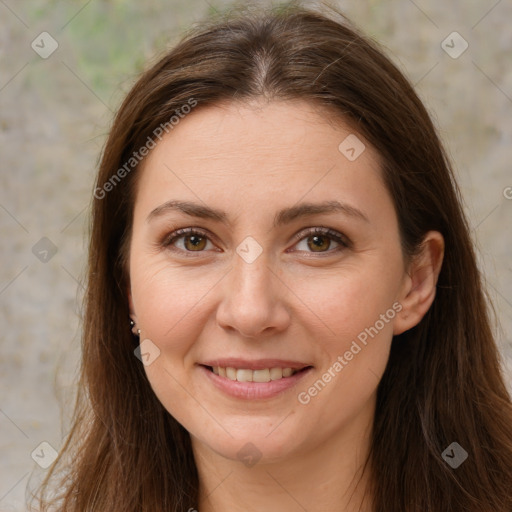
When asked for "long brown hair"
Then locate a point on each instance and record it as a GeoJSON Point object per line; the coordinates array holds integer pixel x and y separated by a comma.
{"type": "Point", "coordinates": [443, 382]}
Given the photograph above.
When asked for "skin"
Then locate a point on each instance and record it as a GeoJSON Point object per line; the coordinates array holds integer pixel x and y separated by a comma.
{"type": "Point", "coordinates": [295, 301]}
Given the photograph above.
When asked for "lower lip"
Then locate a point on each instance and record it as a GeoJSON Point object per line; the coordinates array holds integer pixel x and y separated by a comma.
{"type": "Point", "coordinates": [254, 390]}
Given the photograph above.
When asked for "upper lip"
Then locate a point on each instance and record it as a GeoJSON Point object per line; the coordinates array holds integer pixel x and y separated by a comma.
{"type": "Point", "coordinates": [255, 364]}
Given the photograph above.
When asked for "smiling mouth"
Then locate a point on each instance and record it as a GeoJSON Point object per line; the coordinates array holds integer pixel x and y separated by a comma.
{"type": "Point", "coordinates": [248, 375]}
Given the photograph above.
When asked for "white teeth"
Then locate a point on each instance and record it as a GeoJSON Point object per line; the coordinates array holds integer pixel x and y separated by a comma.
{"type": "Point", "coordinates": [276, 373]}
{"type": "Point", "coordinates": [247, 375]}
{"type": "Point", "coordinates": [244, 375]}
{"type": "Point", "coordinates": [261, 375]}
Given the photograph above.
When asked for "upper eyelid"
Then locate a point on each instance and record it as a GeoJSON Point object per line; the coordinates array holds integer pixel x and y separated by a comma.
{"type": "Point", "coordinates": [322, 230]}
{"type": "Point", "coordinates": [179, 233]}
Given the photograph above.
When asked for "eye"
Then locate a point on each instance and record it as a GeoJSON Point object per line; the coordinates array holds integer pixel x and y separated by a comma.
{"type": "Point", "coordinates": [319, 239]}
{"type": "Point", "coordinates": [194, 240]}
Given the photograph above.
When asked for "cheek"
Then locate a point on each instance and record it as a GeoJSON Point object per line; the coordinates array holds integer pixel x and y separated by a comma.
{"type": "Point", "coordinates": [349, 301]}
{"type": "Point", "coordinates": [168, 301]}
{"type": "Point", "coordinates": [357, 311]}
{"type": "Point", "coordinates": [352, 365]}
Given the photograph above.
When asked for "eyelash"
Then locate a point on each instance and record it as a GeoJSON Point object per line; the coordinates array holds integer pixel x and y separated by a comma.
{"type": "Point", "coordinates": [307, 233]}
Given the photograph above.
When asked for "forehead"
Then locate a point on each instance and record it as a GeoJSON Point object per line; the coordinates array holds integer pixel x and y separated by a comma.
{"type": "Point", "coordinates": [236, 153]}
{"type": "Point", "coordinates": [280, 130]}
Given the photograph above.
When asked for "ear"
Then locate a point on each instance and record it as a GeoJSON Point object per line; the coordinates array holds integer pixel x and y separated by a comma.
{"type": "Point", "coordinates": [419, 288]}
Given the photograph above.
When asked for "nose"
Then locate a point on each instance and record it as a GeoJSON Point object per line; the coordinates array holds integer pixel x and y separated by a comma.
{"type": "Point", "coordinates": [253, 299]}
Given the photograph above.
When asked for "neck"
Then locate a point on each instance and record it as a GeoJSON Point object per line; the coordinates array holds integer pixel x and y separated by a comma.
{"type": "Point", "coordinates": [328, 477]}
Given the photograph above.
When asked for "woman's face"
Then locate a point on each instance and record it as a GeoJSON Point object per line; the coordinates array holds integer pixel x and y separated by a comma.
{"type": "Point", "coordinates": [254, 289]}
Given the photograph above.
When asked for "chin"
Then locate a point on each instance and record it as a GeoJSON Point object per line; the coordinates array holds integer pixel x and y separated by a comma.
{"type": "Point", "coordinates": [251, 444]}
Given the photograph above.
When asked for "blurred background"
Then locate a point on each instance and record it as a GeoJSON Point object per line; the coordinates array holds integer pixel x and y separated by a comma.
{"type": "Point", "coordinates": [65, 67]}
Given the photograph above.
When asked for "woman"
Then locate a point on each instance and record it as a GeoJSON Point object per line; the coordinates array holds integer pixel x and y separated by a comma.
{"type": "Point", "coordinates": [284, 310]}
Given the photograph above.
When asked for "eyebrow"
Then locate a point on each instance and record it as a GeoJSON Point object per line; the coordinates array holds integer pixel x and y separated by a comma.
{"type": "Point", "coordinates": [284, 216]}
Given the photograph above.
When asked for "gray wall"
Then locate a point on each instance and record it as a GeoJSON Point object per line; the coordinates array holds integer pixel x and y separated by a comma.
{"type": "Point", "coordinates": [55, 112]}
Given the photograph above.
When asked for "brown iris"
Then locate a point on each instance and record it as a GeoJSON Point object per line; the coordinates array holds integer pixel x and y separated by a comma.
{"type": "Point", "coordinates": [316, 245]}
{"type": "Point", "coordinates": [196, 242]}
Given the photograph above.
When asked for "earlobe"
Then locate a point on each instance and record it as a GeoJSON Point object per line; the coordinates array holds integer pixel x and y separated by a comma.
{"type": "Point", "coordinates": [420, 283]}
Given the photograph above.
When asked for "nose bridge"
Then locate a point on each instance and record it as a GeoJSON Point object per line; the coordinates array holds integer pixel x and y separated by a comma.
{"type": "Point", "coordinates": [251, 265]}
{"type": "Point", "coordinates": [252, 276]}
{"type": "Point", "coordinates": [251, 301]}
